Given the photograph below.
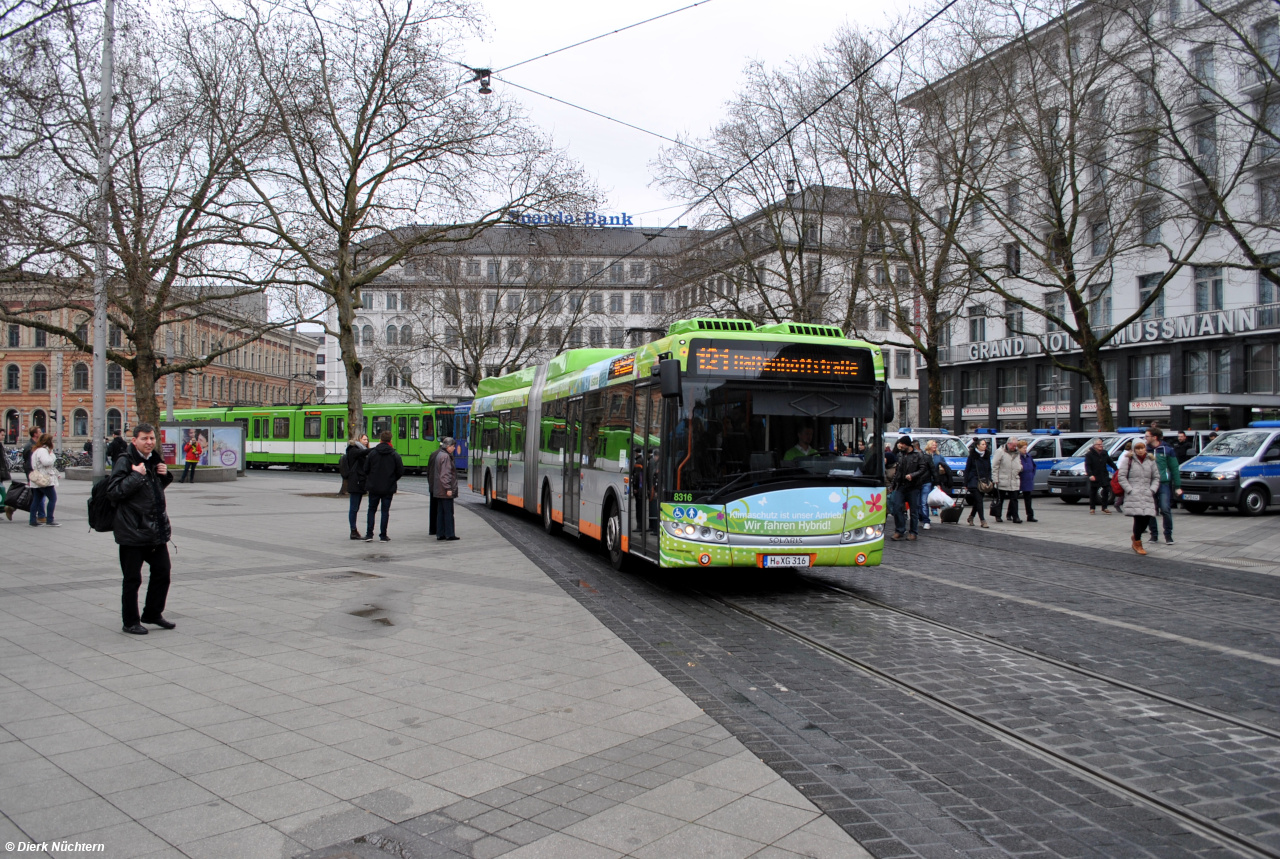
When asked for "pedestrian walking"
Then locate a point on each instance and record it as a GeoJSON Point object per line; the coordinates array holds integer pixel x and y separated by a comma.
{"type": "Point", "coordinates": [116, 449]}
{"type": "Point", "coordinates": [1166, 458]}
{"type": "Point", "coordinates": [904, 496]}
{"type": "Point", "coordinates": [191, 452]}
{"type": "Point", "coordinates": [37, 504]}
{"type": "Point", "coordinates": [4, 477]}
{"type": "Point", "coordinates": [141, 529]}
{"type": "Point", "coordinates": [977, 479]}
{"type": "Point", "coordinates": [1027, 479]}
{"type": "Point", "coordinates": [355, 455]}
{"type": "Point", "coordinates": [382, 469]}
{"type": "Point", "coordinates": [1140, 478]}
{"type": "Point", "coordinates": [930, 480]}
{"type": "Point", "coordinates": [1117, 488]}
{"type": "Point", "coordinates": [43, 480]}
{"type": "Point", "coordinates": [1006, 471]}
{"type": "Point", "coordinates": [445, 490]}
{"type": "Point", "coordinates": [1098, 465]}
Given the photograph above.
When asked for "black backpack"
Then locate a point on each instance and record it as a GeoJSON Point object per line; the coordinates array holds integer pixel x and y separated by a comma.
{"type": "Point", "coordinates": [344, 467]}
{"type": "Point", "coordinates": [102, 512]}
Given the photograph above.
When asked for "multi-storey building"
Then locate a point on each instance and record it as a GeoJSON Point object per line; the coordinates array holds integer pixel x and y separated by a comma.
{"type": "Point", "coordinates": [1157, 127]}
{"type": "Point", "coordinates": [430, 328]}
{"type": "Point", "coordinates": [46, 381]}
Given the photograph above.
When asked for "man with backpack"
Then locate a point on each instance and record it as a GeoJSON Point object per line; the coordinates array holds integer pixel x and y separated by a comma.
{"type": "Point", "coordinates": [141, 527]}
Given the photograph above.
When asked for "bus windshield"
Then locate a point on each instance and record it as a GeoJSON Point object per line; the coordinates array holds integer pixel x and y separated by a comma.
{"type": "Point", "coordinates": [731, 437]}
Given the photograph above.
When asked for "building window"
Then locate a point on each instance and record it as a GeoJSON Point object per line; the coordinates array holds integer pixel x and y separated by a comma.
{"type": "Point", "coordinates": [12, 378]}
{"type": "Point", "coordinates": [1013, 258]}
{"type": "Point", "coordinates": [615, 272]}
{"type": "Point", "coordinates": [597, 337]}
{"type": "Point", "coordinates": [1100, 304]}
{"type": "Point", "coordinates": [1148, 377]}
{"type": "Point", "coordinates": [882, 318]}
{"type": "Point", "coordinates": [1268, 192]}
{"type": "Point", "coordinates": [115, 377]}
{"type": "Point", "coordinates": [393, 301]}
{"type": "Point", "coordinates": [1099, 239]}
{"type": "Point", "coordinates": [514, 268]}
{"type": "Point", "coordinates": [366, 336]}
{"type": "Point", "coordinates": [617, 338]}
{"type": "Point", "coordinates": [1014, 323]}
{"type": "Point", "coordinates": [80, 377]}
{"type": "Point", "coordinates": [615, 302]}
{"type": "Point", "coordinates": [977, 323]}
{"type": "Point", "coordinates": [596, 303]}
{"type": "Point", "coordinates": [637, 271]}
{"type": "Point", "coordinates": [1147, 284]}
{"type": "Point", "coordinates": [1209, 288]}
{"type": "Point", "coordinates": [657, 303]}
{"type": "Point", "coordinates": [977, 387]}
{"type": "Point", "coordinates": [1269, 128]}
{"type": "Point", "coordinates": [1055, 304]}
{"type": "Point", "coordinates": [1207, 372]}
{"type": "Point", "coordinates": [948, 393]}
{"type": "Point", "coordinates": [473, 268]}
{"type": "Point", "coordinates": [493, 270]}
{"type": "Point", "coordinates": [80, 422]}
{"type": "Point", "coordinates": [15, 336]}
{"type": "Point", "coordinates": [41, 339]}
{"type": "Point", "coordinates": [902, 358]}
{"type": "Point", "coordinates": [1011, 382]}
{"type": "Point", "coordinates": [1262, 372]}
{"type": "Point", "coordinates": [451, 377]}
{"type": "Point", "coordinates": [575, 338]}
{"type": "Point", "coordinates": [1052, 385]}
{"type": "Point", "coordinates": [115, 337]}
{"type": "Point", "coordinates": [1202, 70]}
{"type": "Point", "coordinates": [1150, 225]}
{"type": "Point", "coordinates": [113, 422]}
{"type": "Point", "coordinates": [1205, 145]}
{"type": "Point", "coordinates": [637, 302]}
{"type": "Point", "coordinates": [576, 271]}
{"type": "Point", "coordinates": [393, 334]}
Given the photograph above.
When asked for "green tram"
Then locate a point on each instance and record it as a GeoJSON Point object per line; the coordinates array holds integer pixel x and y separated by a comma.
{"type": "Point", "coordinates": [314, 437]}
{"type": "Point", "coordinates": [721, 444]}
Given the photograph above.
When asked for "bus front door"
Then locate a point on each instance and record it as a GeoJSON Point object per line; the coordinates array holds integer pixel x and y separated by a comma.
{"type": "Point", "coordinates": [645, 472]}
{"type": "Point", "coordinates": [502, 456]}
{"type": "Point", "coordinates": [573, 463]}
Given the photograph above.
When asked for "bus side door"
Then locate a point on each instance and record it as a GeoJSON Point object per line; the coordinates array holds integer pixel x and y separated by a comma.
{"type": "Point", "coordinates": [502, 456]}
{"type": "Point", "coordinates": [645, 472]}
{"type": "Point", "coordinates": [573, 463]}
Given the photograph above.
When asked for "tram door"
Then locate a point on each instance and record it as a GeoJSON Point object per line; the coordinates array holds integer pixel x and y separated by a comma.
{"type": "Point", "coordinates": [573, 462]}
{"type": "Point", "coordinates": [502, 456]}
{"type": "Point", "coordinates": [645, 472]}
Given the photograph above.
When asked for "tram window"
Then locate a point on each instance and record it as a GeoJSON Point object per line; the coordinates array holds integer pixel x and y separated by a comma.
{"type": "Point", "coordinates": [311, 427]}
{"type": "Point", "coordinates": [280, 428]}
{"type": "Point", "coordinates": [257, 428]}
{"type": "Point", "coordinates": [337, 427]}
{"type": "Point", "coordinates": [243, 423]}
{"type": "Point", "coordinates": [404, 427]}
{"type": "Point", "coordinates": [328, 428]}
{"type": "Point", "coordinates": [379, 423]}
{"type": "Point", "coordinates": [428, 427]}
{"type": "Point", "coordinates": [444, 424]}
{"type": "Point", "coordinates": [413, 427]}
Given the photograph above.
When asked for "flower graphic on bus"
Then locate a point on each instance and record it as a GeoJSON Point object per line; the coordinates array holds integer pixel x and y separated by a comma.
{"type": "Point", "coordinates": [876, 503]}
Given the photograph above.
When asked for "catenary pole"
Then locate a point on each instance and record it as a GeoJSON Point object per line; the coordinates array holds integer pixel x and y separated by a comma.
{"type": "Point", "coordinates": [99, 431]}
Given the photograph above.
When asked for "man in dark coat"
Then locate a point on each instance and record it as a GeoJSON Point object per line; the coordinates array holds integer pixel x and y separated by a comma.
{"type": "Point", "coordinates": [913, 471]}
{"type": "Point", "coordinates": [1097, 465]}
{"type": "Point", "coordinates": [136, 488]}
{"type": "Point", "coordinates": [383, 469]}
{"type": "Point", "coordinates": [116, 449]}
{"type": "Point", "coordinates": [444, 489]}
{"type": "Point", "coordinates": [433, 513]}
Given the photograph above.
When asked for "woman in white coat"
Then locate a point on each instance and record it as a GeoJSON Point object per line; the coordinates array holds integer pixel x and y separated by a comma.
{"type": "Point", "coordinates": [1141, 481]}
{"type": "Point", "coordinates": [44, 480]}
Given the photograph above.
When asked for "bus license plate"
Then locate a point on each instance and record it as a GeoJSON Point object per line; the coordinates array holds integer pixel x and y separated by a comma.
{"type": "Point", "coordinates": [786, 560]}
{"type": "Point", "coordinates": [1189, 497]}
{"type": "Point", "coordinates": [1055, 490]}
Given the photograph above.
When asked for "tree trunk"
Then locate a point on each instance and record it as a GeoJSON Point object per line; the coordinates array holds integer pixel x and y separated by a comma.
{"type": "Point", "coordinates": [144, 383]}
{"type": "Point", "coordinates": [350, 360]}
{"type": "Point", "coordinates": [934, 369]}
{"type": "Point", "coordinates": [1093, 372]}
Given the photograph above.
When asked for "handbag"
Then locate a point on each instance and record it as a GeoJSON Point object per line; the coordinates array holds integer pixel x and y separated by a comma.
{"type": "Point", "coordinates": [40, 479]}
{"type": "Point", "coordinates": [985, 486]}
{"type": "Point", "coordinates": [19, 496]}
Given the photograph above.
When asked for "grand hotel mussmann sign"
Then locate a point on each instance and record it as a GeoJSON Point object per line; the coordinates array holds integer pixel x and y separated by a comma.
{"type": "Point", "coordinates": [1211, 324]}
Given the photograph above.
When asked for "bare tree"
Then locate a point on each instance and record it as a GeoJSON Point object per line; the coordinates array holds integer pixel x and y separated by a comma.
{"type": "Point", "coordinates": [376, 133]}
{"type": "Point", "coordinates": [184, 119]}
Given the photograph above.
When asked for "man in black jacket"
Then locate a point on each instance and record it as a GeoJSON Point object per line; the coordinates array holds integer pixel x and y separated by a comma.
{"type": "Point", "coordinates": [383, 469]}
{"type": "Point", "coordinates": [116, 449]}
{"type": "Point", "coordinates": [910, 477]}
{"type": "Point", "coordinates": [1096, 462]}
{"type": "Point", "coordinates": [141, 529]}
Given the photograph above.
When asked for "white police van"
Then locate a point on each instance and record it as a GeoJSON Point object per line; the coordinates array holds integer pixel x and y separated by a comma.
{"type": "Point", "coordinates": [1240, 468]}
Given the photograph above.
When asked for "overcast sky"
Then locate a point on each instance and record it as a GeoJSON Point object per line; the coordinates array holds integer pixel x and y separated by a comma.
{"type": "Point", "coordinates": [671, 76]}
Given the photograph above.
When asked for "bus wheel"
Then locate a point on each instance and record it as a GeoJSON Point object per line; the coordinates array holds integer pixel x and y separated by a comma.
{"type": "Point", "coordinates": [488, 493]}
{"type": "Point", "coordinates": [549, 523]}
{"type": "Point", "coordinates": [613, 536]}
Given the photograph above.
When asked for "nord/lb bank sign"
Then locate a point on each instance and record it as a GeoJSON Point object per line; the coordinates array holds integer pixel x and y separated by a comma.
{"type": "Point", "coordinates": [585, 219]}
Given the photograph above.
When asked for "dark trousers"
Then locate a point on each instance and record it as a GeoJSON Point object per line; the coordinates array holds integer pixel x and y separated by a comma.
{"type": "Point", "coordinates": [1009, 499]}
{"type": "Point", "coordinates": [43, 500]}
{"type": "Point", "coordinates": [1026, 502]}
{"type": "Point", "coordinates": [189, 469]}
{"type": "Point", "coordinates": [1099, 493]}
{"type": "Point", "coordinates": [1164, 495]}
{"type": "Point", "coordinates": [1140, 524]}
{"type": "Point", "coordinates": [444, 518]}
{"type": "Point", "coordinates": [131, 561]}
{"type": "Point", "coordinates": [975, 505]}
{"type": "Point", "coordinates": [353, 508]}
{"type": "Point", "coordinates": [433, 515]}
{"type": "Point", "coordinates": [374, 502]}
{"type": "Point", "coordinates": [899, 501]}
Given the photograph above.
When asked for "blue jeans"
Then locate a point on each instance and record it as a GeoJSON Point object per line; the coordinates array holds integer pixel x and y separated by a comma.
{"type": "Point", "coordinates": [43, 500]}
{"type": "Point", "coordinates": [924, 503]}
{"type": "Point", "coordinates": [1164, 505]}
{"type": "Point", "coordinates": [897, 500]}
{"type": "Point", "coordinates": [374, 502]}
{"type": "Point", "coordinates": [353, 508]}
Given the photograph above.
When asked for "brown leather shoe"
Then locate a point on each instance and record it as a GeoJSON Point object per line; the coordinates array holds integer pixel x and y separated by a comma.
{"type": "Point", "coordinates": [1137, 547]}
{"type": "Point", "coordinates": [911, 536]}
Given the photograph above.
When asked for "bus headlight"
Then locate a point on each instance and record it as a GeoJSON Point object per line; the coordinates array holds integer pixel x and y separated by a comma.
{"type": "Point", "coordinates": [857, 535]}
{"type": "Point", "coordinates": [697, 533]}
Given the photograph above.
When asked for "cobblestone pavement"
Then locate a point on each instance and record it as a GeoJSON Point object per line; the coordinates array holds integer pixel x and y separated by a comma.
{"type": "Point", "coordinates": [908, 778]}
{"type": "Point", "coordinates": [336, 698]}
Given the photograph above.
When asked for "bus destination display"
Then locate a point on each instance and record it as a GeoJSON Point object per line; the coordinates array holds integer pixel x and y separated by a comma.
{"type": "Point", "coordinates": [785, 362]}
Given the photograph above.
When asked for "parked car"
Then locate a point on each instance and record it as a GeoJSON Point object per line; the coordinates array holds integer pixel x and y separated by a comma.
{"type": "Point", "coordinates": [1240, 468]}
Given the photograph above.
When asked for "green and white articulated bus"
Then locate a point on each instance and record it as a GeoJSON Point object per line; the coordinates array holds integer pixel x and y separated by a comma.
{"type": "Point", "coordinates": [314, 437]}
{"type": "Point", "coordinates": [715, 445]}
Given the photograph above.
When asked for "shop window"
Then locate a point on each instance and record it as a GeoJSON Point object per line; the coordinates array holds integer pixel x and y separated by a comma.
{"type": "Point", "coordinates": [1011, 382]}
{"type": "Point", "coordinates": [1262, 373]}
{"type": "Point", "coordinates": [1148, 377]}
{"type": "Point", "coordinates": [977, 387]}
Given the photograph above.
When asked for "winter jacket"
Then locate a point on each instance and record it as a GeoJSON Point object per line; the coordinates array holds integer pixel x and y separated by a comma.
{"type": "Point", "coordinates": [913, 471]}
{"type": "Point", "coordinates": [42, 460]}
{"type": "Point", "coordinates": [356, 453]}
{"type": "Point", "coordinates": [4, 463]}
{"type": "Point", "coordinates": [444, 483]}
{"type": "Point", "coordinates": [1005, 469]}
{"type": "Point", "coordinates": [382, 469]}
{"type": "Point", "coordinates": [141, 518]}
{"type": "Point", "coordinates": [1027, 479]}
{"type": "Point", "coordinates": [942, 475]}
{"type": "Point", "coordinates": [1167, 462]}
{"type": "Point", "coordinates": [1182, 450]}
{"type": "Point", "coordinates": [1141, 480]}
{"type": "Point", "coordinates": [118, 448]}
{"type": "Point", "coordinates": [977, 467]}
{"type": "Point", "coordinates": [1096, 464]}
{"type": "Point", "coordinates": [26, 456]}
